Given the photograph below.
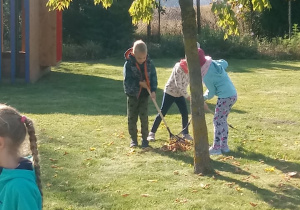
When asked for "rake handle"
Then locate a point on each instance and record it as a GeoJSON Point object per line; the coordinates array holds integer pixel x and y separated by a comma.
{"type": "Point", "coordinates": [158, 109]}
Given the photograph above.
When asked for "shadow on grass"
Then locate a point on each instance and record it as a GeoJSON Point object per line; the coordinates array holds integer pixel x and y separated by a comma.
{"type": "Point", "coordinates": [252, 65]}
{"type": "Point", "coordinates": [286, 197]}
{"type": "Point", "coordinates": [283, 166]}
{"type": "Point", "coordinates": [69, 93]}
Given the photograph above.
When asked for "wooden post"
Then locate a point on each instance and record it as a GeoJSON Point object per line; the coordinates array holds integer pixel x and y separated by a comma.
{"type": "Point", "coordinates": [1, 37]}
{"type": "Point", "coordinates": [13, 40]}
{"type": "Point", "coordinates": [159, 10]}
{"type": "Point", "coordinates": [290, 19]}
{"type": "Point", "coordinates": [27, 50]}
{"type": "Point", "coordinates": [198, 17]}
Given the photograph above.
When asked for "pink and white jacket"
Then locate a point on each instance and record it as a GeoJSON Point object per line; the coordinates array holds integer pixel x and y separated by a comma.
{"type": "Point", "coordinates": [178, 81]}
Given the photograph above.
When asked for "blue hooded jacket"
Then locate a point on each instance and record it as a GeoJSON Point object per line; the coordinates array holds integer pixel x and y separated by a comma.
{"type": "Point", "coordinates": [217, 81]}
{"type": "Point", "coordinates": [18, 188]}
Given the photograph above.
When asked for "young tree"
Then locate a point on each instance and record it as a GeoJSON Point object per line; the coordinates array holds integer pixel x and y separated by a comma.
{"type": "Point", "coordinates": [143, 10]}
{"type": "Point", "coordinates": [227, 10]}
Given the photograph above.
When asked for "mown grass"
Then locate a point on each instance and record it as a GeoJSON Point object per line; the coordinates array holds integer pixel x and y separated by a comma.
{"type": "Point", "coordinates": [79, 110]}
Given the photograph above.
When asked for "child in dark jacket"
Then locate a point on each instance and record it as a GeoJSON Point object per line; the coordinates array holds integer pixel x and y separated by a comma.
{"type": "Point", "coordinates": [20, 183]}
{"type": "Point", "coordinates": [139, 75]}
{"type": "Point", "coordinates": [218, 84]}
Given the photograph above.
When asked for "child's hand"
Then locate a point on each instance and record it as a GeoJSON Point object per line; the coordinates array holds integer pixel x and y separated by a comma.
{"type": "Point", "coordinates": [153, 95]}
{"type": "Point", "coordinates": [188, 98]}
{"type": "Point", "coordinates": [206, 108]}
{"type": "Point", "coordinates": [143, 84]}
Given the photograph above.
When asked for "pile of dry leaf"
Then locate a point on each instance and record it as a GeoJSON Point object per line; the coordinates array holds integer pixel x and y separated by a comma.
{"type": "Point", "coordinates": [175, 146]}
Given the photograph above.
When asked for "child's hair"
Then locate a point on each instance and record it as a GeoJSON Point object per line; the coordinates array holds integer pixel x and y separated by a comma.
{"type": "Point", "coordinates": [139, 47]}
{"type": "Point", "coordinates": [13, 126]}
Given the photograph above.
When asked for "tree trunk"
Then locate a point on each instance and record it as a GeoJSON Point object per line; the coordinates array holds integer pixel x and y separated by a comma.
{"type": "Point", "coordinates": [201, 154]}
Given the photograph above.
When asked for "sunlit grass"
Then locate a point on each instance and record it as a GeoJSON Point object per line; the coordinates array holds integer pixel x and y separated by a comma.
{"type": "Point", "coordinates": [79, 111]}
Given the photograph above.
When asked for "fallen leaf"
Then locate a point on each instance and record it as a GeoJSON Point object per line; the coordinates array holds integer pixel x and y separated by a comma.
{"type": "Point", "coordinates": [48, 185]}
{"type": "Point", "coordinates": [152, 180]}
{"type": "Point", "coordinates": [194, 191]}
{"type": "Point", "coordinates": [111, 143]}
{"type": "Point", "coordinates": [253, 204]}
{"type": "Point", "coordinates": [53, 160]}
{"type": "Point", "coordinates": [270, 169]}
{"type": "Point", "coordinates": [125, 195]}
{"type": "Point", "coordinates": [55, 175]}
{"type": "Point", "coordinates": [176, 173]}
{"type": "Point", "coordinates": [66, 153]}
{"type": "Point", "coordinates": [255, 177]}
{"type": "Point", "coordinates": [145, 195]}
{"type": "Point", "coordinates": [184, 200]}
{"type": "Point", "coordinates": [92, 148]}
{"type": "Point", "coordinates": [205, 186]}
{"type": "Point", "coordinates": [230, 184]}
{"type": "Point", "coordinates": [236, 163]}
{"type": "Point", "coordinates": [54, 166]}
{"type": "Point", "coordinates": [238, 189]}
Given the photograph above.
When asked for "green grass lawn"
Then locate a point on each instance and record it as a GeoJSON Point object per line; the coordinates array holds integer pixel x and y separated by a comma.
{"type": "Point", "coordinates": [79, 110]}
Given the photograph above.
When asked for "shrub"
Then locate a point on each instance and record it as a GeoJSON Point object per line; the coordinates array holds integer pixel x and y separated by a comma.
{"type": "Point", "coordinates": [87, 51]}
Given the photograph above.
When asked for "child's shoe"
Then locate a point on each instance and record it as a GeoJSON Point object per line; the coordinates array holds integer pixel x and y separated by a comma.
{"type": "Point", "coordinates": [145, 143]}
{"type": "Point", "coordinates": [213, 151]}
{"type": "Point", "coordinates": [187, 137]}
{"type": "Point", "coordinates": [151, 136]}
{"type": "Point", "coordinates": [225, 149]}
{"type": "Point", "coordinates": [133, 143]}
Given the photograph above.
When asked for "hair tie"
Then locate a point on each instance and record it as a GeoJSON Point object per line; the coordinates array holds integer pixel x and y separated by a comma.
{"type": "Point", "coordinates": [23, 119]}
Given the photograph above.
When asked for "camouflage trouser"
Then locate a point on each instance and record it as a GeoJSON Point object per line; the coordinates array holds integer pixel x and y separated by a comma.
{"type": "Point", "coordinates": [137, 107]}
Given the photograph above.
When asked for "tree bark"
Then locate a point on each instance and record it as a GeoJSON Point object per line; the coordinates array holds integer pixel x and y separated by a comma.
{"type": "Point", "coordinates": [202, 163]}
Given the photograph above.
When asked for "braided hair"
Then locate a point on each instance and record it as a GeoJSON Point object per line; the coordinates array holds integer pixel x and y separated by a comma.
{"type": "Point", "coordinates": [14, 126]}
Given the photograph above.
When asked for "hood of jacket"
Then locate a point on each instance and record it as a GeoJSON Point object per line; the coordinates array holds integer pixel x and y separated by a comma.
{"type": "Point", "coordinates": [219, 66]}
{"type": "Point", "coordinates": [128, 53]}
{"type": "Point", "coordinates": [24, 170]}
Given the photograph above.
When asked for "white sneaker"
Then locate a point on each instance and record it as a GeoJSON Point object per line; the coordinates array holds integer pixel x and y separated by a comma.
{"type": "Point", "coordinates": [213, 151]}
{"type": "Point", "coordinates": [225, 149]}
{"type": "Point", "coordinates": [187, 137]}
{"type": "Point", "coordinates": [151, 136]}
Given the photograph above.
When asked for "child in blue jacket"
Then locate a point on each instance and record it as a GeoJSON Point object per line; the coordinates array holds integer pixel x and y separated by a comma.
{"type": "Point", "coordinates": [20, 184]}
{"type": "Point", "coordinates": [218, 84]}
{"type": "Point", "coordinates": [139, 75]}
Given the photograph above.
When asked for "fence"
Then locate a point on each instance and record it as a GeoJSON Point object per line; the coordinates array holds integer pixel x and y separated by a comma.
{"type": "Point", "coordinates": [168, 22]}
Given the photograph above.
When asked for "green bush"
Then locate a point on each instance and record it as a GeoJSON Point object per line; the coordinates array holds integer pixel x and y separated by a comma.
{"type": "Point", "coordinates": [87, 51]}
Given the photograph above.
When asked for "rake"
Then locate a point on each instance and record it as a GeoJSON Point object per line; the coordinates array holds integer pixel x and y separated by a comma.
{"type": "Point", "coordinates": [172, 136]}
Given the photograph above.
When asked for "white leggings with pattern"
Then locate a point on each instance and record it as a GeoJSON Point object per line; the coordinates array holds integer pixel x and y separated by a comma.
{"type": "Point", "coordinates": [222, 110]}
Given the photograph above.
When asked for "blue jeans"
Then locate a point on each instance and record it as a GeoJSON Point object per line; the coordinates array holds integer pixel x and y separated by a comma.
{"type": "Point", "coordinates": [167, 102]}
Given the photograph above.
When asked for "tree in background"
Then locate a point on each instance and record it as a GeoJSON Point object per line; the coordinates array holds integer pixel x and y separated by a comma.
{"type": "Point", "coordinates": [84, 22]}
{"type": "Point", "coordinates": [274, 22]}
{"type": "Point", "coordinates": [228, 12]}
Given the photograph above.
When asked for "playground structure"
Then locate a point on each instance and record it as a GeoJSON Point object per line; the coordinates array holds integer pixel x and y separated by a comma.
{"type": "Point", "coordinates": [35, 40]}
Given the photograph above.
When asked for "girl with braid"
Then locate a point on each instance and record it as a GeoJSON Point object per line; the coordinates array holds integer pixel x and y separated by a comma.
{"type": "Point", "coordinates": [20, 183]}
